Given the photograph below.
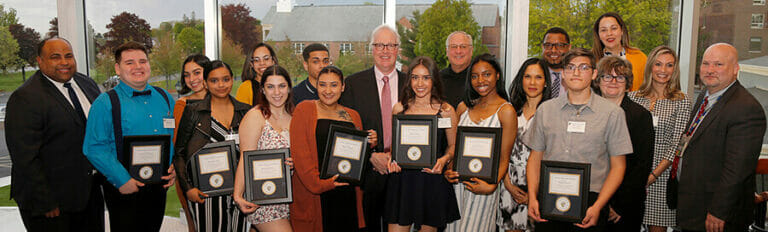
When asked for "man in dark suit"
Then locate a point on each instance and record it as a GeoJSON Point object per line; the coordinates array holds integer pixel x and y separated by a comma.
{"type": "Point", "coordinates": [372, 93]}
{"type": "Point", "coordinates": [724, 138]}
{"type": "Point", "coordinates": [51, 180]}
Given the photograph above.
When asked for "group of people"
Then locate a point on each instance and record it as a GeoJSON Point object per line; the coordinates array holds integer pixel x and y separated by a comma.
{"type": "Point", "coordinates": [658, 158]}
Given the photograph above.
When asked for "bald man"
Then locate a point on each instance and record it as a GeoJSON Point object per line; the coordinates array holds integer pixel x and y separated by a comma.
{"type": "Point", "coordinates": [724, 137]}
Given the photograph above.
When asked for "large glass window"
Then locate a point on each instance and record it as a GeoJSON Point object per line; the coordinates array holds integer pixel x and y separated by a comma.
{"type": "Point", "coordinates": [291, 25]}
{"type": "Point", "coordinates": [425, 25]}
{"type": "Point", "coordinates": [171, 35]}
{"type": "Point", "coordinates": [651, 23]}
{"type": "Point", "coordinates": [739, 23]}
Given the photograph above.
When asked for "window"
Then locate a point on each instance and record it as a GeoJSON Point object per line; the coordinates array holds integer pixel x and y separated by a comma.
{"type": "Point", "coordinates": [346, 48]}
{"type": "Point", "coordinates": [298, 48]}
{"type": "Point", "coordinates": [758, 2]}
{"type": "Point", "coordinates": [755, 44]}
{"type": "Point", "coordinates": [757, 21]}
{"type": "Point", "coordinates": [367, 48]}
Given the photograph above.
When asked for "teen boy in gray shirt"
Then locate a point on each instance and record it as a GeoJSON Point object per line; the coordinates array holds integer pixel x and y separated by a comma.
{"type": "Point", "coordinates": [579, 127]}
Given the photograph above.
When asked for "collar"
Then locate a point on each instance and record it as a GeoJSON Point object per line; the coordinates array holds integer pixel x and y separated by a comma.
{"type": "Point", "coordinates": [128, 90]}
{"type": "Point", "coordinates": [562, 101]}
{"type": "Point", "coordinates": [718, 93]}
{"type": "Point", "coordinates": [450, 70]}
{"type": "Point", "coordinates": [622, 53]}
{"type": "Point", "coordinates": [379, 75]}
{"type": "Point", "coordinates": [309, 86]}
{"type": "Point", "coordinates": [59, 84]}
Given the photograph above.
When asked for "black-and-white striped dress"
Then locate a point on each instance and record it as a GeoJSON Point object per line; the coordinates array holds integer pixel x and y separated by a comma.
{"type": "Point", "coordinates": [670, 120]}
{"type": "Point", "coordinates": [216, 213]}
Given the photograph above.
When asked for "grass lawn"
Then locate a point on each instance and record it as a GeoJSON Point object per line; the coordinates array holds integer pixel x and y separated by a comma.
{"type": "Point", "coordinates": [11, 81]}
{"type": "Point", "coordinates": [172, 204]}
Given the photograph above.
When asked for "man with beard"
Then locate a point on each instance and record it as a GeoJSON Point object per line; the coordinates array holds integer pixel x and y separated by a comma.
{"type": "Point", "coordinates": [554, 45]}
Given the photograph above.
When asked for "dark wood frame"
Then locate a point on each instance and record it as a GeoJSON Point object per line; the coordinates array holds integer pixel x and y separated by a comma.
{"type": "Point", "coordinates": [459, 158]}
{"type": "Point", "coordinates": [282, 154]}
{"type": "Point", "coordinates": [140, 140]}
{"type": "Point", "coordinates": [230, 147]}
{"type": "Point", "coordinates": [326, 172]}
{"type": "Point", "coordinates": [547, 200]}
{"type": "Point", "coordinates": [401, 155]}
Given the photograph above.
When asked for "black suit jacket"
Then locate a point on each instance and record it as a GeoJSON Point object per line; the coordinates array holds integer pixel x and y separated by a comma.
{"type": "Point", "coordinates": [629, 199]}
{"type": "Point", "coordinates": [718, 167]}
{"type": "Point", "coordinates": [362, 95]}
{"type": "Point", "coordinates": [45, 138]}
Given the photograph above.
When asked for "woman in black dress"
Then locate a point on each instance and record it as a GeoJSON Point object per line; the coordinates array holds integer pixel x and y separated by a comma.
{"type": "Point", "coordinates": [423, 198]}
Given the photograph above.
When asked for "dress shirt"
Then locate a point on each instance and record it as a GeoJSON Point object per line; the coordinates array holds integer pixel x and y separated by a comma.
{"type": "Point", "coordinates": [79, 92]}
{"type": "Point", "coordinates": [141, 115]}
{"type": "Point", "coordinates": [561, 87]}
{"type": "Point", "coordinates": [393, 85]}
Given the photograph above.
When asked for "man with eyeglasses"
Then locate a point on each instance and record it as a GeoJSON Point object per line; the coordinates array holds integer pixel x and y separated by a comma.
{"type": "Point", "coordinates": [315, 59]}
{"type": "Point", "coordinates": [554, 45]}
{"type": "Point", "coordinates": [372, 93]}
{"type": "Point", "coordinates": [458, 48]}
{"type": "Point", "coordinates": [579, 127]}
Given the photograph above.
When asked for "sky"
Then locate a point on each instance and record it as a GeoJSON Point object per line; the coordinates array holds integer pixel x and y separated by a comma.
{"type": "Point", "coordinates": [99, 12]}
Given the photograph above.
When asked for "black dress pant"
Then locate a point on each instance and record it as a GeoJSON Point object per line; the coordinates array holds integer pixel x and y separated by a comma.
{"type": "Point", "coordinates": [90, 219]}
{"type": "Point", "coordinates": [556, 226]}
{"type": "Point", "coordinates": [374, 196]}
{"type": "Point", "coordinates": [140, 211]}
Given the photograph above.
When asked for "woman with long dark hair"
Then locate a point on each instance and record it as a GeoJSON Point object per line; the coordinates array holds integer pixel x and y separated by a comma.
{"type": "Point", "coordinates": [611, 38]}
{"type": "Point", "coordinates": [529, 89]}
{"type": "Point", "coordinates": [266, 126]}
{"type": "Point", "coordinates": [423, 198]}
{"type": "Point", "coordinates": [262, 57]}
{"type": "Point", "coordinates": [485, 105]}
{"type": "Point", "coordinates": [213, 119]}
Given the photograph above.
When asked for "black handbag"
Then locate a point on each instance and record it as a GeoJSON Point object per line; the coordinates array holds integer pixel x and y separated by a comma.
{"type": "Point", "coordinates": [672, 193]}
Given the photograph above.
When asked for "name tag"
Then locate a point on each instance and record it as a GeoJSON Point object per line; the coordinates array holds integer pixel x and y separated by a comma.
{"type": "Point", "coordinates": [443, 123]}
{"type": "Point", "coordinates": [655, 121]}
{"type": "Point", "coordinates": [233, 137]}
{"type": "Point", "coordinates": [169, 123]}
{"type": "Point", "coordinates": [576, 126]}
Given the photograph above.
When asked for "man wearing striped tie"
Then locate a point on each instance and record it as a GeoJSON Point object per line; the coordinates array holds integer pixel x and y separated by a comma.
{"type": "Point", "coordinates": [554, 45]}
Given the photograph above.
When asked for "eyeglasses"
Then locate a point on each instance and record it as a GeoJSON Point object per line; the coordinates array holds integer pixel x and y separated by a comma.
{"type": "Point", "coordinates": [582, 67]}
{"type": "Point", "coordinates": [609, 78]}
{"type": "Point", "coordinates": [554, 45]}
{"type": "Point", "coordinates": [381, 46]}
{"type": "Point", "coordinates": [258, 60]}
{"type": "Point", "coordinates": [457, 46]}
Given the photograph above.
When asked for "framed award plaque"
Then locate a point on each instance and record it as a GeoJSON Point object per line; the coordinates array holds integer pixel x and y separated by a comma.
{"type": "Point", "coordinates": [477, 153]}
{"type": "Point", "coordinates": [267, 177]}
{"type": "Point", "coordinates": [563, 189]}
{"type": "Point", "coordinates": [146, 157]}
{"type": "Point", "coordinates": [414, 138]}
{"type": "Point", "coordinates": [213, 168]}
{"type": "Point", "coordinates": [345, 154]}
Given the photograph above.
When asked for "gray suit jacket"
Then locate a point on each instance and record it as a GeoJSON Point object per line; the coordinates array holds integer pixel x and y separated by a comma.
{"type": "Point", "coordinates": [718, 167]}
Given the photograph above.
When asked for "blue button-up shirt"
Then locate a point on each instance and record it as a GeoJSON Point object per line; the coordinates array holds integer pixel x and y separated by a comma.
{"type": "Point", "coordinates": [141, 115]}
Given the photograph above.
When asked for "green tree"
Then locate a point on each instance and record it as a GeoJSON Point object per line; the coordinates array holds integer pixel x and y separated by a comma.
{"type": "Point", "coordinates": [431, 27]}
{"type": "Point", "coordinates": [9, 51]}
{"type": "Point", "coordinates": [289, 60]}
{"type": "Point", "coordinates": [232, 55]}
{"type": "Point", "coordinates": [648, 21]}
{"type": "Point", "coordinates": [191, 40]}
{"type": "Point", "coordinates": [7, 17]}
{"type": "Point", "coordinates": [350, 63]}
{"type": "Point", "coordinates": [27, 38]}
{"type": "Point", "coordinates": [166, 57]}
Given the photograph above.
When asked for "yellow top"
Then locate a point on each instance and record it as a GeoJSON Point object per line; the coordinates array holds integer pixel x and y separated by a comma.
{"type": "Point", "coordinates": [245, 93]}
{"type": "Point", "coordinates": [637, 58]}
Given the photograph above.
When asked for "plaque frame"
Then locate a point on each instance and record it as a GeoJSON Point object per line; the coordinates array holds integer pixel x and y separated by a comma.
{"type": "Point", "coordinates": [229, 175]}
{"type": "Point", "coordinates": [284, 183]}
{"type": "Point", "coordinates": [331, 163]}
{"type": "Point", "coordinates": [158, 169]}
{"type": "Point", "coordinates": [461, 160]}
{"type": "Point", "coordinates": [548, 201]}
{"type": "Point", "coordinates": [428, 151]}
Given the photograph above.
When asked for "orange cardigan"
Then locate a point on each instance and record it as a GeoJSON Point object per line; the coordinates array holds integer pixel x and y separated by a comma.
{"type": "Point", "coordinates": [306, 214]}
{"type": "Point", "coordinates": [637, 58]}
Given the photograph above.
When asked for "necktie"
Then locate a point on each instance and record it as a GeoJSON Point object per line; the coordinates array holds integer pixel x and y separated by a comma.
{"type": "Point", "coordinates": [145, 92]}
{"type": "Point", "coordinates": [555, 84]}
{"type": "Point", "coordinates": [689, 132]}
{"type": "Point", "coordinates": [386, 114]}
{"type": "Point", "coordinates": [75, 100]}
